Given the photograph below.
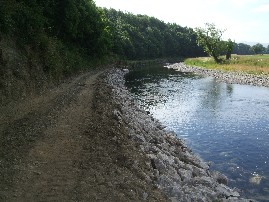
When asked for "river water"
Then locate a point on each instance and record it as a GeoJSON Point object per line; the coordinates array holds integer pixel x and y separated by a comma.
{"type": "Point", "coordinates": [226, 125]}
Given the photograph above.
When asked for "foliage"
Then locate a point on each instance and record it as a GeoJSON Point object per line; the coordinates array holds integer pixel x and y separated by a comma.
{"type": "Point", "coordinates": [210, 39]}
{"type": "Point", "coordinates": [50, 26]}
{"type": "Point", "coordinates": [242, 49]}
{"type": "Point", "coordinates": [254, 64]}
{"type": "Point", "coordinates": [54, 29]}
{"type": "Point", "coordinates": [78, 22]}
{"type": "Point", "coordinates": [144, 37]}
{"type": "Point", "coordinates": [258, 48]}
{"type": "Point", "coordinates": [229, 49]}
{"type": "Point", "coordinates": [69, 33]}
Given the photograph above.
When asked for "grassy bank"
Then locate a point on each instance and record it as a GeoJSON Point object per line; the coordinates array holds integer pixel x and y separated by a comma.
{"type": "Point", "coordinates": [253, 64]}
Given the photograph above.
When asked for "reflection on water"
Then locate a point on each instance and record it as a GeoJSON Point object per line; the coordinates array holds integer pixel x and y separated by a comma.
{"type": "Point", "coordinates": [225, 124]}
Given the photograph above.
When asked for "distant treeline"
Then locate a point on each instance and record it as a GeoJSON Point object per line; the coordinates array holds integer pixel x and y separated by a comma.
{"type": "Point", "coordinates": [64, 32]}
{"type": "Point", "coordinates": [245, 49]}
{"type": "Point", "coordinates": [144, 37]}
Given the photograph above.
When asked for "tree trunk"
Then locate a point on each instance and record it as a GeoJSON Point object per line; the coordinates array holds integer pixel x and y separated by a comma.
{"type": "Point", "coordinates": [216, 58]}
{"type": "Point", "coordinates": [228, 56]}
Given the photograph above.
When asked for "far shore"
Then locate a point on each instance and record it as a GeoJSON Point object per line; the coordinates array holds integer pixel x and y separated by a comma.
{"type": "Point", "coordinates": [224, 76]}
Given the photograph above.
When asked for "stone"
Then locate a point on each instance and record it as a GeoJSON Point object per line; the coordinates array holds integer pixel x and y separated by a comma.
{"type": "Point", "coordinates": [220, 178]}
{"type": "Point", "coordinates": [179, 173]}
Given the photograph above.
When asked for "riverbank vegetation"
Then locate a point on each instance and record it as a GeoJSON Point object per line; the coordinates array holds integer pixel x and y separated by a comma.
{"type": "Point", "coordinates": [67, 36]}
{"type": "Point", "coordinates": [63, 36]}
{"type": "Point", "coordinates": [136, 37]}
{"type": "Point", "coordinates": [46, 41]}
{"type": "Point", "coordinates": [253, 64]}
{"type": "Point", "coordinates": [209, 38]}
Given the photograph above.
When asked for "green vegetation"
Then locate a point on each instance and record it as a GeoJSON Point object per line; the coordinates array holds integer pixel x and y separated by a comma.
{"type": "Point", "coordinates": [142, 37]}
{"type": "Point", "coordinates": [242, 49]}
{"type": "Point", "coordinates": [253, 64]}
{"type": "Point", "coordinates": [63, 37]}
{"type": "Point", "coordinates": [258, 48]}
{"type": "Point", "coordinates": [209, 38]}
{"type": "Point", "coordinates": [67, 36]}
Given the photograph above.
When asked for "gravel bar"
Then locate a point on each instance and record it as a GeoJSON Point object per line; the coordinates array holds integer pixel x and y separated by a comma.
{"type": "Point", "coordinates": [227, 77]}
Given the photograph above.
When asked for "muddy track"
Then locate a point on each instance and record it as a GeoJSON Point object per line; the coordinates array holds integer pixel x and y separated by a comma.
{"type": "Point", "coordinates": [56, 147]}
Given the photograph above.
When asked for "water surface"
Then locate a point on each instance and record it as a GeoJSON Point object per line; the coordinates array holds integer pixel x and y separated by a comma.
{"type": "Point", "coordinates": [227, 125]}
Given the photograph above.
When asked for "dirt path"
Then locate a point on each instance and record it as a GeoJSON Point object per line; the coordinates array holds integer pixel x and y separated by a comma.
{"type": "Point", "coordinates": [54, 148]}
{"type": "Point", "coordinates": [41, 141]}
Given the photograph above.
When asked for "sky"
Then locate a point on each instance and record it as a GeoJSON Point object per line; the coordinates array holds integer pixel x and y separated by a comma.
{"type": "Point", "coordinates": [244, 20]}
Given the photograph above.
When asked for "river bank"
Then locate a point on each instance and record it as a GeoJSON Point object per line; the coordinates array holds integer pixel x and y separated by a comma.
{"type": "Point", "coordinates": [87, 140]}
{"type": "Point", "coordinates": [227, 77]}
{"type": "Point", "coordinates": [174, 169]}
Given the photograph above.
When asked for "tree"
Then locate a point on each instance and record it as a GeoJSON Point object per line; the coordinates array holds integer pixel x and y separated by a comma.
{"type": "Point", "coordinates": [244, 49]}
{"type": "Point", "coordinates": [230, 46]}
{"type": "Point", "coordinates": [210, 39]}
{"type": "Point", "coordinates": [144, 37]}
{"type": "Point", "coordinates": [258, 48]}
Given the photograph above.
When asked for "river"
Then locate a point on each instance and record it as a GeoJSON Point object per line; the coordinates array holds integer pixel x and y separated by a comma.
{"type": "Point", "coordinates": [225, 124]}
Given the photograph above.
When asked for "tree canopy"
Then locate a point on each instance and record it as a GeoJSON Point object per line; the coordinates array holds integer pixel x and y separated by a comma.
{"type": "Point", "coordinates": [78, 22]}
{"type": "Point", "coordinates": [144, 37]}
{"type": "Point", "coordinates": [100, 31]}
{"type": "Point", "coordinates": [243, 49]}
{"type": "Point", "coordinates": [258, 48]}
{"type": "Point", "coordinates": [210, 38]}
